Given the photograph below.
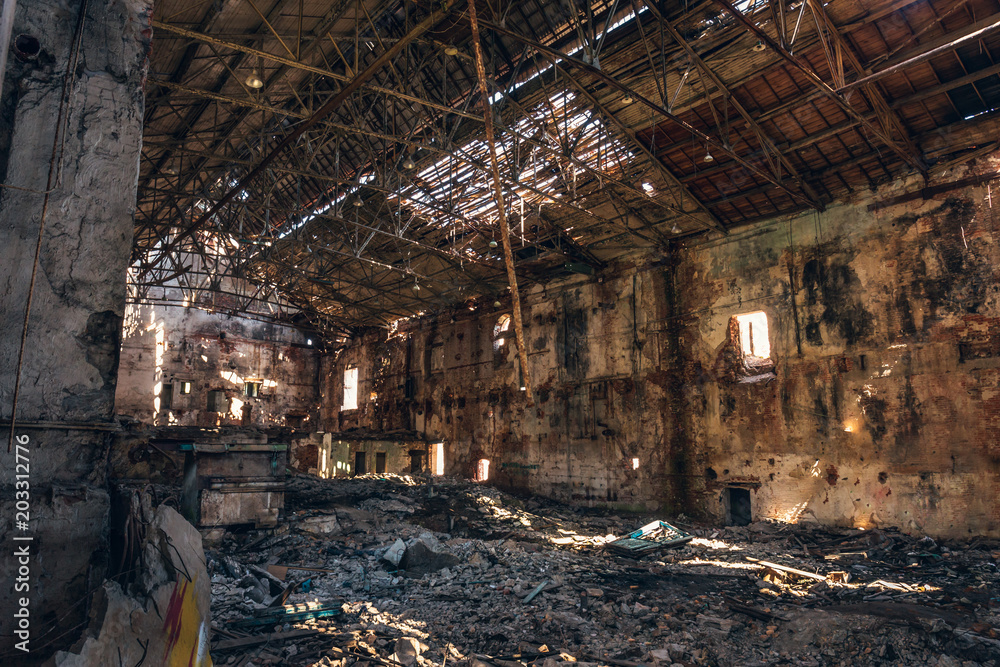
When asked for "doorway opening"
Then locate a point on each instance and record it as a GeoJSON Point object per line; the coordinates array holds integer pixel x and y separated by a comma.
{"type": "Point", "coordinates": [738, 510]}
{"type": "Point", "coordinates": [416, 460]}
{"type": "Point", "coordinates": [380, 463]}
{"type": "Point", "coordinates": [359, 463]}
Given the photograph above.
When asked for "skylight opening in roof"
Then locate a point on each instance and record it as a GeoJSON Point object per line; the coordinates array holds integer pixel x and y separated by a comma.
{"type": "Point", "coordinates": [628, 16]}
{"type": "Point", "coordinates": [338, 197]}
{"type": "Point", "coordinates": [537, 175]}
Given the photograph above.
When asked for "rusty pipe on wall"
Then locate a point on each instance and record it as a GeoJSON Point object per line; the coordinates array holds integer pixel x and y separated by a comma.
{"type": "Point", "coordinates": [498, 193]}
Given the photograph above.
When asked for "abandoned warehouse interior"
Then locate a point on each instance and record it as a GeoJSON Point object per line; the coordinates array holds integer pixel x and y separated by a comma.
{"type": "Point", "coordinates": [394, 332]}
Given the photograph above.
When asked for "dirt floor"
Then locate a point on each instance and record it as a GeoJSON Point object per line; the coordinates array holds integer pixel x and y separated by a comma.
{"type": "Point", "coordinates": [425, 571]}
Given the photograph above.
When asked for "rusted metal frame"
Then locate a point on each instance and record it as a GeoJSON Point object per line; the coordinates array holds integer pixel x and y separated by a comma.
{"type": "Point", "coordinates": [325, 110]}
{"type": "Point", "coordinates": [661, 87]}
{"type": "Point", "coordinates": [638, 212]}
{"type": "Point", "coordinates": [556, 56]}
{"type": "Point", "coordinates": [446, 255]}
{"type": "Point", "coordinates": [918, 52]}
{"type": "Point", "coordinates": [599, 175]}
{"type": "Point", "coordinates": [822, 86]}
{"type": "Point", "coordinates": [235, 121]}
{"type": "Point", "coordinates": [832, 51]}
{"type": "Point", "coordinates": [938, 21]}
{"type": "Point", "coordinates": [674, 184]}
{"type": "Point", "coordinates": [541, 193]}
{"type": "Point", "coordinates": [297, 273]}
{"type": "Point", "coordinates": [672, 181]}
{"type": "Point", "coordinates": [961, 63]}
{"type": "Point", "coordinates": [762, 137]}
{"type": "Point", "coordinates": [271, 28]}
{"type": "Point", "coordinates": [323, 177]}
{"type": "Point", "coordinates": [198, 113]}
{"type": "Point", "coordinates": [777, 9]}
{"type": "Point", "coordinates": [143, 289]}
{"type": "Point", "coordinates": [304, 173]}
{"type": "Point", "coordinates": [697, 133]}
{"type": "Point", "coordinates": [392, 68]}
{"type": "Point", "coordinates": [921, 95]}
{"type": "Point", "coordinates": [500, 204]}
{"type": "Point", "coordinates": [190, 51]}
{"type": "Point", "coordinates": [890, 119]}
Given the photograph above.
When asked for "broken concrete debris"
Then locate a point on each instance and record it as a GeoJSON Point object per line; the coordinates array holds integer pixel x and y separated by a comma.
{"type": "Point", "coordinates": [406, 591]}
{"type": "Point", "coordinates": [161, 614]}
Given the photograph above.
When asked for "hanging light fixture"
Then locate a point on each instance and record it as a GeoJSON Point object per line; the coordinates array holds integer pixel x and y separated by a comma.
{"type": "Point", "coordinates": [493, 243]}
{"type": "Point", "coordinates": [357, 202]}
{"type": "Point", "coordinates": [416, 285]}
{"type": "Point", "coordinates": [708, 155]}
{"type": "Point", "coordinates": [451, 50]}
{"type": "Point", "coordinates": [408, 163]}
{"type": "Point", "coordinates": [254, 81]}
{"type": "Point", "coordinates": [759, 46]}
{"type": "Point", "coordinates": [497, 304]}
{"type": "Point", "coordinates": [675, 229]}
{"type": "Point", "coordinates": [628, 99]}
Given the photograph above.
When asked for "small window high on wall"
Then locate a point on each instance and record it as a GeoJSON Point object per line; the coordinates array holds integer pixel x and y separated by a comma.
{"type": "Point", "coordinates": [500, 332]}
{"type": "Point", "coordinates": [350, 389]}
{"type": "Point", "coordinates": [751, 344]}
{"type": "Point", "coordinates": [754, 336]}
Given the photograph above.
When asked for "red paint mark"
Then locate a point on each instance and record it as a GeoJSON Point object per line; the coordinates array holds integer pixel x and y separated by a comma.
{"type": "Point", "coordinates": [172, 621]}
{"type": "Point", "coordinates": [831, 476]}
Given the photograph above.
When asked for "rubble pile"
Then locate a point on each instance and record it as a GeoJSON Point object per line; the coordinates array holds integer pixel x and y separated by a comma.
{"type": "Point", "coordinates": [415, 572]}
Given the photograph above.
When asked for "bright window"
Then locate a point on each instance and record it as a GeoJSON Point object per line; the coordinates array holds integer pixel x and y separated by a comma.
{"type": "Point", "coordinates": [753, 335]}
{"type": "Point", "coordinates": [438, 454]}
{"type": "Point", "coordinates": [350, 389]}
{"type": "Point", "coordinates": [483, 470]}
{"type": "Point", "coordinates": [500, 331]}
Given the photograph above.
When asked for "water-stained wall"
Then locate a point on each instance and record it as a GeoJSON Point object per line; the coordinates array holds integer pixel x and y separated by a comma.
{"type": "Point", "coordinates": [196, 353]}
{"type": "Point", "coordinates": [70, 136]}
{"type": "Point", "coordinates": [879, 403]}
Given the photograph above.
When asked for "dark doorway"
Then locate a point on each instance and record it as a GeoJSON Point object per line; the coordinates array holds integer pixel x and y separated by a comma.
{"type": "Point", "coordinates": [738, 507]}
{"type": "Point", "coordinates": [416, 460]}
{"type": "Point", "coordinates": [380, 463]}
{"type": "Point", "coordinates": [359, 463]}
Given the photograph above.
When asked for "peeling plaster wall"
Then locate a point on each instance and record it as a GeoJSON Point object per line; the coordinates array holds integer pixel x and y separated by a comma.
{"type": "Point", "coordinates": [214, 352]}
{"type": "Point", "coordinates": [589, 361]}
{"type": "Point", "coordinates": [73, 336]}
{"type": "Point", "coordinates": [882, 407]}
{"type": "Point", "coordinates": [885, 328]}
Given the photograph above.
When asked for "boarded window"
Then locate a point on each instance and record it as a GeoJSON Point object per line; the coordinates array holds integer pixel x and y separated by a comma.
{"type": "Point", "coordinates": [350, 389]}
{"type": "Point", "coordinates": [251, 389]}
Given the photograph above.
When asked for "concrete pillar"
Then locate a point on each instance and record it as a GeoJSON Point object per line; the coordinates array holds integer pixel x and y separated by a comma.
{"type": "Point", "coordinates": [80, 99]}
